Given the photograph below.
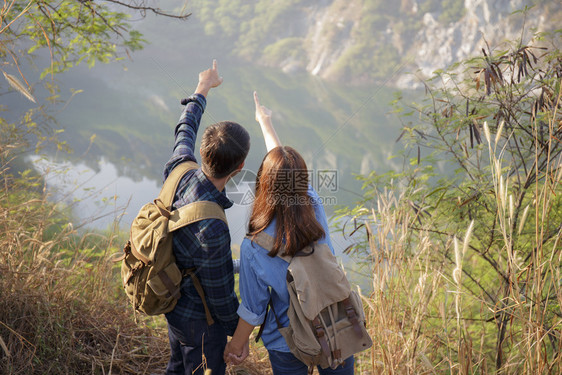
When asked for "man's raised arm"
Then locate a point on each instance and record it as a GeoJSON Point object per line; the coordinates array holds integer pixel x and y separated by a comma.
{"type": "Point", "coordinates": [188, 125]}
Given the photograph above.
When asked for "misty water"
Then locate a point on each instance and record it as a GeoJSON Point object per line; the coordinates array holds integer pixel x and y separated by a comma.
{"type": "Point", "coordinates": [120, 127]}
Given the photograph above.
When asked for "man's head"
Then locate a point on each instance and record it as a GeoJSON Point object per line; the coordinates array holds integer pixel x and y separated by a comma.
{"type": "Point", "coordinates": [224, 147]}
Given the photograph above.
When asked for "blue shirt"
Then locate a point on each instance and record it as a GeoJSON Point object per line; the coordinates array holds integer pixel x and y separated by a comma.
{"type": "Point", "coordinates": [204, 245]}
{"type": "Point", "coordinates": [263, 277]}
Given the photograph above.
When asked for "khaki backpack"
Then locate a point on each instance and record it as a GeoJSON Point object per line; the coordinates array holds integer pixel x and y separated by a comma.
{"type": "Point", "coordinates": [149, 272]}
{"type": "Point", "coordinates": [326, 317]}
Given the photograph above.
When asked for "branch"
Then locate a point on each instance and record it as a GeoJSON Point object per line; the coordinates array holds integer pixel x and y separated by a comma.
{"type": "Point", "coordinates": [150, 9]}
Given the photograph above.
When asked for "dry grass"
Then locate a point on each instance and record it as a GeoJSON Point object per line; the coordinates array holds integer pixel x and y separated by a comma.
{"type": "Point", "coordinates": [62, 310]}
{"type": "Point", "coordinates": [59, 313]}
{"type": "Point", "coordinates": [423, 314]}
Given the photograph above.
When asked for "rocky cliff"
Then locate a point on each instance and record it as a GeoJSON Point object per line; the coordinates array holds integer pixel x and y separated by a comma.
{"type": "Point", "coordinates": [360, 41]}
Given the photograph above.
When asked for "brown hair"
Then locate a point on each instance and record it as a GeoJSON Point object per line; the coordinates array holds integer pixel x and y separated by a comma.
{"type": "Point", "coordinates": [224, 146]}
{"type": "Point", "coordinates": [282, 193]}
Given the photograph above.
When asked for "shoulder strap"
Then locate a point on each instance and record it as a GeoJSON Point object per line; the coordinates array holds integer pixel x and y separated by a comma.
{"type": "Point", "coordinates": [191, 272]}
{"type": "Point", "coordinates": [266, 241]}
{"type": "Point", "coordinates": [193, 212]}
{"type": "Point", "coordinates": [262, 326]}
{"type": "Point", "coordinates": [172, 181]}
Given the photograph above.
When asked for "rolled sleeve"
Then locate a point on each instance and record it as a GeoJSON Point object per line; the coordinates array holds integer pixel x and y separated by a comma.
{"type": "Point", "coordinates": [249, 316]}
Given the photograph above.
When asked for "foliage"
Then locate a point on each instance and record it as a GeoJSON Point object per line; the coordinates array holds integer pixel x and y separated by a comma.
{"type": "Point", "coordinates": [71, 32]}
{"type": "Point", "coordinates": [483, 163]}
{"type": "Point", "coordinates": [448, 10]}
{"type": "Point", "coordinates": [283, 49]}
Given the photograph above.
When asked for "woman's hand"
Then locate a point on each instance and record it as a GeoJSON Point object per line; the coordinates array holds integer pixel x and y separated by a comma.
{"type": "Point", "coordinates": [262, 113]}
{"type": "Point", "coordinates": [263, 116]}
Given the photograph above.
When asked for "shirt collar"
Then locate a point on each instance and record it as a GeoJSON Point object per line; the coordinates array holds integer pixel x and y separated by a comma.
{"type": "Point", "coordinates": [218, 196]}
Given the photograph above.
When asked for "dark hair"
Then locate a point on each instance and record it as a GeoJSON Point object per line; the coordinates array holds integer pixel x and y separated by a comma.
{"type": "Point", "coordinates": [224, 146]}
{"type": "Point", "coordinates": [282, 193]}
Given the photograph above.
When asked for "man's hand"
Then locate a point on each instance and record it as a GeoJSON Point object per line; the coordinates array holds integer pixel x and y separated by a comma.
{"type": "Point", "coordinates": [236, 356]}
{"type": "Point", "coordinates": [208, 79]}
{"type": "Point", "coordinates": [263, 114]}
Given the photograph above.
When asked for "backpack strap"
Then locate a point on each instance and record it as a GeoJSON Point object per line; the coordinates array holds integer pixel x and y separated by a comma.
{"type": "Point", "coordinates": [171, 183]}
{"type": "Point", "coordinates": [266, 241]}
{"type": "Point", "coordinates": [352, 316]}
{"type": "Point", "coordinates": [193, 212]}
{"type": "Point", "coordinates": [191, 272]}
{"type": "Point", "coordinates": [188, 214]}
{"type": "Point", "coordinates": [262, 326]}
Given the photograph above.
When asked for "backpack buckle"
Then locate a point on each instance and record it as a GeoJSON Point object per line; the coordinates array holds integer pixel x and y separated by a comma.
{"type": "Point", "coordinates": [321, 335]}
{"type": "Point", "coordinates": [352, 316]}
{"type": "Point", "coordinates": [126, 251]}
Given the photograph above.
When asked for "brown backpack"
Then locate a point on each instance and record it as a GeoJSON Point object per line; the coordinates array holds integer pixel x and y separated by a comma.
{"type": "Point", "coordinates": [326, 317]}
{"type": "Point", "coordinates": [149, 272]}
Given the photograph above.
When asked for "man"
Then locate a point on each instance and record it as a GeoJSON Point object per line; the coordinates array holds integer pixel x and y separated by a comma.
{"type": "Point", "coordinates": [195, 345]}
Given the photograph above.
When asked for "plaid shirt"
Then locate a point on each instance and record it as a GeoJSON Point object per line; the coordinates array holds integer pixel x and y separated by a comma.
{"type": "Point", "coordinates": [204, 244]}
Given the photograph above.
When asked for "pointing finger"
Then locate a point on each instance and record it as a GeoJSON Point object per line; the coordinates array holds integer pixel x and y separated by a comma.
{"type": "Point", "coordinates": [256, 100]}
{"type": "Point", "coordinates": [214, 64]}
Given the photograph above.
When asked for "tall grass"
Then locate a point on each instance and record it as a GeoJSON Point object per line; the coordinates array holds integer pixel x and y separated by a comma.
{"type": "Point", "coordinates": [61, 310]}
{"type": "Point", "coordinates": [424, 314]}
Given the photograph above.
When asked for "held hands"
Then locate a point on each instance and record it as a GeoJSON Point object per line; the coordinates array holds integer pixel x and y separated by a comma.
{"type": "Point", "coordinates": [208, 79]}
{"type": "Point", "coordinates": [236, 356]}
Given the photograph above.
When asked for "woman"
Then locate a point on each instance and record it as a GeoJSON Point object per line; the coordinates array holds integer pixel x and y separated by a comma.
{"type": "Point", "coordinates": [289, 210]}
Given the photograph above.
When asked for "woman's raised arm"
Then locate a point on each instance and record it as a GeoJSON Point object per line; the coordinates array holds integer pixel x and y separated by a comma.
{"type": "Point", "coordinates": [263, 116]}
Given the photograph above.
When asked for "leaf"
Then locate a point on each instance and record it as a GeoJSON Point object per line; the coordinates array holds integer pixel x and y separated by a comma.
{"type": "Point", "coordinates": [487, 81]}
{"type": "Point", "coordinates": [497, 72]}
{"type": "Point", "coordinates": [420, 134]}
{"type": "Point", "coordinates": [4, 347]}
{"type": "Point", "coordinates": [478, 81]}
{"type": "Point", "coordinates": [476, 131]}
{"type": "Point", "coordinates": [470, 199]}
{"type": "Point", "coordinates": [18, 86]}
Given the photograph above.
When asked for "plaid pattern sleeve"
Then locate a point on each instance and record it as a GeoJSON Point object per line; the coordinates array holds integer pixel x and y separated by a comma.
{"type": "Point", "coordinates": [186, 132]}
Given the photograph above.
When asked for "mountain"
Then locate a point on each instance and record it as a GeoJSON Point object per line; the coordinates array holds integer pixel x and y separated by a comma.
{"type": "Point", "coordinates": [365, 41]}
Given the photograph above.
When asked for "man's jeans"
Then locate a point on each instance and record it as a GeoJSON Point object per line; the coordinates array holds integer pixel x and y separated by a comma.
{"type": "Point", "coordinates": [195, 347]}
{"type": "Point", "coordinates": [284, 363]}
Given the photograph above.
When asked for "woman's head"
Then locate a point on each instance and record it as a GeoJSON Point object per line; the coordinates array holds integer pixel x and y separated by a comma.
{"type": "Point", "coordinates": [282, 193]}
